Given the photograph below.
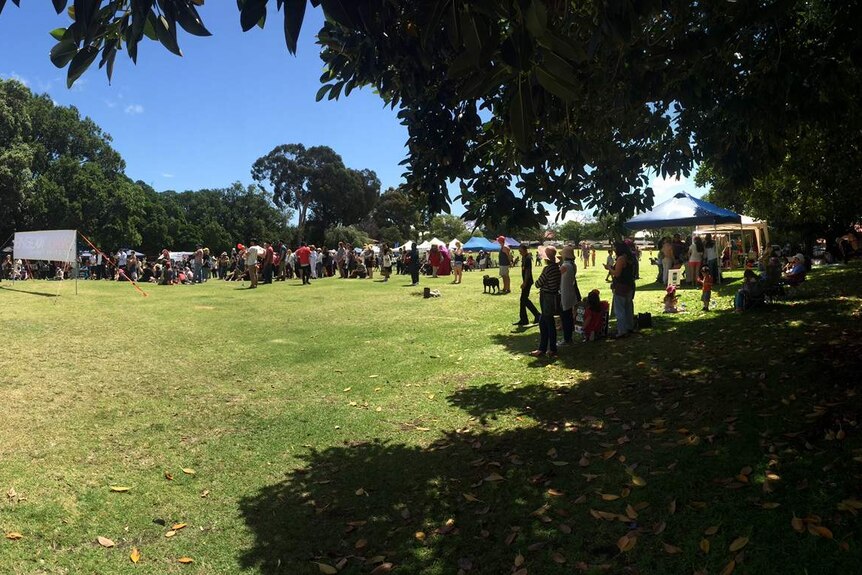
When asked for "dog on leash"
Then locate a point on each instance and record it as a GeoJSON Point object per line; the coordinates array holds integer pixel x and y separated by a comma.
{"type": "Point", "coordinates": [492, 285]}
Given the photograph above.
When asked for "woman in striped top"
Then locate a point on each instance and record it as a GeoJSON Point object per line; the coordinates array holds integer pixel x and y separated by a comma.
{"type": "Point", "coordinates": [549, 293]}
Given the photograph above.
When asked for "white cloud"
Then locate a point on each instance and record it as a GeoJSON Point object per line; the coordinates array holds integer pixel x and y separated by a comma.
{"type": "Point", "coordinates": [16, 76]}
{"type": "Point", "coordinates": [134, 109]}
{"type": "Point", "coordinates": [166, 175]}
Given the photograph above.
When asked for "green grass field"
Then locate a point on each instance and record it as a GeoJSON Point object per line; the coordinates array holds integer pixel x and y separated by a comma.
{"type": "Point", "coordinates": [355, 426]}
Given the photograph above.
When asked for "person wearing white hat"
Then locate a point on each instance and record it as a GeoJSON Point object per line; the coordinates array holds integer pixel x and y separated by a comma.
{"type": "Point", "coordinates": [796, 273]}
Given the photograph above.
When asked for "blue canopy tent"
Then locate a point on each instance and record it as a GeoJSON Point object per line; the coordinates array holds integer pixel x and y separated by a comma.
{"type": "Point", "coordinates": [512, 242]}
{"type": "Point", "coordinates": [479, 243]}
{"type": "Point", "coordinates": [683, 210]}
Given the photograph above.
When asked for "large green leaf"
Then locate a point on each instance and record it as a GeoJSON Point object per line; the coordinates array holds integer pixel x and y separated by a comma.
{"type": "Point", "coordinates": [521, 115]}
{"type": "Point", "coordinates": [537, 18]}
{"type": "Point", "coordinates": [294, 14]}
{"type": "Point", "coordinates": [63, 52]}
{"type": "Point", "coordinates": [189, 19]}
{"type": "Point", "coordinates": [58, 33]}
{"type": "Point", "coordinates": [60, 5]}
{"type": "Point", "coordinates": [253, 11]}
{"type": "Point", "coordinates": [166, 32]}
{"type": "Point", "coordinates": [80, 63]}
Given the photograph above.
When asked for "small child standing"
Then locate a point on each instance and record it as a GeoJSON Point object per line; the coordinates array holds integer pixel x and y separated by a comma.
{"type": "Point", "coordinates": [705, 281]}
{"type": "Point", "coordinates": [670, 300]}
{"type": "Point", "coordinates": [609, 263]}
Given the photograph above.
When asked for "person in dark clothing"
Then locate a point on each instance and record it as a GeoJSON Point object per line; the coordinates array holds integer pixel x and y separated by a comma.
{"type": "Point", "coordinates": [414, 264]}
{"type": "Point", "coordinates": [549, 290]}
{"type": "Point", "coordinates": [526, 285]}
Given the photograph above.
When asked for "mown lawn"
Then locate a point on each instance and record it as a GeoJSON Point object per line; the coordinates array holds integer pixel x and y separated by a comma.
{"type": "Point", "coordinates": [355, 426]}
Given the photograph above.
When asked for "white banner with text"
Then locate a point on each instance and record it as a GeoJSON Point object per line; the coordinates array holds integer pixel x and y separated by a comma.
{"type": "Point", "coordinates": [52, 245]}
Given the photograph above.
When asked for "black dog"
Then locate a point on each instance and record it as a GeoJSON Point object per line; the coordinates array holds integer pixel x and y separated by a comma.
{"type": "Point", "coordinates": [491, 284]}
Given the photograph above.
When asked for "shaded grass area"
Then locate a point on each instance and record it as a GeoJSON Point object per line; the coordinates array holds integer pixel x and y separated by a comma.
{"type": "Point", "coordinates": [352, 424]}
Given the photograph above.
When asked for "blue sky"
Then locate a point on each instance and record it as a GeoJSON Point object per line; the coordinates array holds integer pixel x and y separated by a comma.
{"type": "Point", "coordinates": [200, 121]}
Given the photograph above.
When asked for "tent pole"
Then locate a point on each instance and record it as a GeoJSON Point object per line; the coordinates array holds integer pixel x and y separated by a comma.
{"type": "Point", "coordinates": [715, 247]}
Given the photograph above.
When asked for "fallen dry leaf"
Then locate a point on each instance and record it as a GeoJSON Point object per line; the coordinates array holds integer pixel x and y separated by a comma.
{"type": "Point", "coordinates": [728, 569]}
{"type": "Point", "coordinates": [13, 535]}
{"type": "Point", "coordinates": [169, 476]}
{"type": "Point", "coordinates": [638, 481]}
{"type": "Point", "coordinates": [419, 535]}
{"type": "Point", "coordinates": [609, 497]}
{"type": "Point", "coordinates": [119, 488]}
{"type": "Point", "coordinates": [627, 542]}
{"type": "Point", "coordinates": [361, 544]}
{"type": "Point", "coordinates": [382, 569]}
{"type": "Point", "coordinates": [494, 477]}
{"type": "Point", "coordinates": [738, 544]}
{"type": "Point", "coordinates": [671, 507]}
{"type": "Point", "coordinates": [188, 471]}
{"type": "Point", "coordinates": [704, 545]}
{"type": "Point", "coordinates": [185, 560]}
{"type": "Point", "coordinates": [178, 526]}
{"type": "Point", "coordinates": [658, 528]}
{"type": "Point", "coordinates": [558, 557]}
{"type": "Point", "coordinates": [327, 569]}
{"type": "Point", "coordinates": [135, 555]}
{"type": "Point", "coordinates": [797, 524]}
{"type": "Point", "coordinates": [770, 505]}
{"type": "Point", "coordinates": [671, 549]}
{"type": "Point", "coordinates": [519, 560]}
{"type": "Point", "coordinates": [820, 531]}
{"type": "Point", "coordinates": [711, 530]}
{"type": "Point", "coordinates": [170, 533]}
{"type": "Point", "coordinates": [104, 541]}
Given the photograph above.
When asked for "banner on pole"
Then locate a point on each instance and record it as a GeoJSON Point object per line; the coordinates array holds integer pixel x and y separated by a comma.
{"type": "Point", "coordinates": [53, 245]}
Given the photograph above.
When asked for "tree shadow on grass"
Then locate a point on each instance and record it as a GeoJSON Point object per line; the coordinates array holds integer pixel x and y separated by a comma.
{"type": "Point", "coordinates": [696, 425]}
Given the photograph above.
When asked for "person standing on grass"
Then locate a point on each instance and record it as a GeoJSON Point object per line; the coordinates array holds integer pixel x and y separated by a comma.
{"type": "Point", "coordinates": [282, 261]}
{"type": "Point", "coordinates": [695, 259]}
{"type": "Point", "coordinates": [303, 260]}
{"type": "Point", "coordinates": [458, 262]}
{"type": "Point", "coordinates": [705, 281]}
{"type": "Point", "coordinates": [385, 262]}
{"type": "Point", "coordinates": [549, 290]}
{"type": "Point", "coordinates": [268, 257]}
{"type": "Point", "coordinates": [434, 259]}
{"type": "Point", "coordinates": [569, 293]}
{"type": "Point", "coordinates": [623, 287]}
{"type": "Point", "coordinates": [312, 261]}
{"type": "Point", "coordinates": [340, 259]}
{"type": "Point", "coordinates": [526, 285]}
{"type": "Point", "coordinates": [252, 253]}
{"type": "Point", "coordinates": [505, 262]}
{"type": "Point", "coordinates": [593, 256]}
{"type": "Point", "coordinates": [585, 254]}
{"type": "Point", "coordinates": [413, 263]}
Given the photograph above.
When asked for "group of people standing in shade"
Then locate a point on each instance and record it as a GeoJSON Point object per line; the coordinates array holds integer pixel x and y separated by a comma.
{"type": "Point", "coordinates": [559, 295]}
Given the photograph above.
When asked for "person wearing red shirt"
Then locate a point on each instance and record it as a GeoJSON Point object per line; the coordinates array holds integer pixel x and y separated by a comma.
{"type": "Point", "coordinates": [303, 257]}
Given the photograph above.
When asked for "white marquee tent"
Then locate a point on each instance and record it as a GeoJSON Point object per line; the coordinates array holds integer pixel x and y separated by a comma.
{"type": "Point", "coordinates": [759, 228]}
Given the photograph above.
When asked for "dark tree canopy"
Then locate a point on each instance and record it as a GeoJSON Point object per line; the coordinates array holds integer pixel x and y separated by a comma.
{"type": "Point", "coordinates": [533, 102]}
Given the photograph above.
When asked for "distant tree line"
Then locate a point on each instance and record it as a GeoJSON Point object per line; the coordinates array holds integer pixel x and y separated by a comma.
{"type": "Point", "coordinates": [60, 171]}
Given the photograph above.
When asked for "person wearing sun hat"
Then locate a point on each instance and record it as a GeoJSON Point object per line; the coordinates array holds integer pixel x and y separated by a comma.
{"type": "Point", "coordinates": [505, 262]}
{"type": "Point", "coordinates": [569, 293]}
{"type": "Point", "coordinates": [795, 273]}
{"type": "Point", "coordinates": [549, 292]}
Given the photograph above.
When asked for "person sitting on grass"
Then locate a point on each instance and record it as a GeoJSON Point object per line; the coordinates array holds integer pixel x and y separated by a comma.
{"type": "Point", "coordinates": [750, 294]}
{"type": "Point", "coordinates": [360, 271]}
{"type": "Point", "coordinates": [794, 273]}
{"type": "Point", "coordinates": [671, 301]}
{"type": "Point", "coordinates": [594, 316]}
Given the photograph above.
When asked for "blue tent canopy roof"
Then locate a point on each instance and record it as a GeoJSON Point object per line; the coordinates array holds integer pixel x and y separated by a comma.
{"type": "Point", "coordinates": [478, 243]}
{"type": "Point", "coordinates": [683, 210]}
